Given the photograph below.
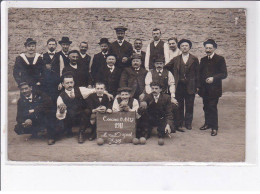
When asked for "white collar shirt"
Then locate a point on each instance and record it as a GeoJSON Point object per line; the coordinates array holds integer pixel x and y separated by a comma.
{"type": "Point", "coordinates": [185, 58]}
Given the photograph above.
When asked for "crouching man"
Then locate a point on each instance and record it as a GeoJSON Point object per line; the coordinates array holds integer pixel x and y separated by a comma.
{"type": "Point", "coordinates": [34, 113]}
{"type": "Point", "coordinates": [98, 102]}
{"type": "Point", "coordinates": [156, 110]}
{"type": "Point", "coordinates": [71, 105]}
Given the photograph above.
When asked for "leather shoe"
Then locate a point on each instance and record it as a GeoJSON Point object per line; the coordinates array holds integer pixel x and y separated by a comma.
{"type": "Point", "coordinates": [81, 137]}
{"type": "Point", "coordinates": [188, 127]}
{"type": "Point", "coordinates": [214, 132]}
{"type": "Point", "coordinates": [92, 137]}
{"type": "Point", "coordinates": [51, 141]}
{"type": "Point", "coordinates": [204, 127]}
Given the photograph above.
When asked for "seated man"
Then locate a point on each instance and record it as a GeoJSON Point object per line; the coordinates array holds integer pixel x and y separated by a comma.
{"type": "Point", "coordinates": [33, 113]}
{"type": "Point", "coordinates": [156, 110]}
{"type": "Point", "coordinates": [71, 105]}
{"type": "Point", "coordinates": [97, 102]}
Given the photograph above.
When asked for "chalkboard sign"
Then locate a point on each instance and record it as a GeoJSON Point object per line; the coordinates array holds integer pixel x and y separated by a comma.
{"type": "Point", "coordinates": [116, 128]}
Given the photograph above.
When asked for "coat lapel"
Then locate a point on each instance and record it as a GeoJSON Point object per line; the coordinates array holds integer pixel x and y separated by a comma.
{"type": "Point", "coordinates": [190, 61]}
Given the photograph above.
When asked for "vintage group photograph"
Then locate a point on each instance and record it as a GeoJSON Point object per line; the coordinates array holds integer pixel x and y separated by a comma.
{"type": "Point", "coordinates": [126, 85]}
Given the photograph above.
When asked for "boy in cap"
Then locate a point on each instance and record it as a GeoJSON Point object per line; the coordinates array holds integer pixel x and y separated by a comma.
{"type": "Point", "coordinates": [121, 48]}
{"type": "Point", "coordinates": [212, 70]}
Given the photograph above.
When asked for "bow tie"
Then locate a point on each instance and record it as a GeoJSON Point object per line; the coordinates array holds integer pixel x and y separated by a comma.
{"type": "Point", "coordinates": [52, 54]}
{"type": "Point", "coordinates": [29, 99]}
{"type": "Point", "coordinates": [120, 41]}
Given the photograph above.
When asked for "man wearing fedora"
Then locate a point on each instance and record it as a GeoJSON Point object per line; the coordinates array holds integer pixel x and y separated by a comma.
{"type": "Point", "coordinates": [28, 66]}
{"type": "Point", "coordinates": [84, 58]}
{"type": "Point", "coordinates": [121, 48]}
{"type": "Point", "coordinates": [212, 70]}
{"type": "Point", "coordinates": [185, 69]}
{"type": "Point", "coordinates": [99, 59]}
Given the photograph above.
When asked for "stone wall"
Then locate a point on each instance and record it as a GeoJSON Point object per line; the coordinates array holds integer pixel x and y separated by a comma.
{"type": "Point", "coordinates": [226, 26]}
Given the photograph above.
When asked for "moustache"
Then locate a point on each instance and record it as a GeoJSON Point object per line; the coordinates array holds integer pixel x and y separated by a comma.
{"type": "Point", "coordinates": [208, 52]}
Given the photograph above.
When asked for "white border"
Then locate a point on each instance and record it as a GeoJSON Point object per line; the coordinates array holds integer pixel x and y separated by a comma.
{"type": "Point", "coordinates": [145, 175]}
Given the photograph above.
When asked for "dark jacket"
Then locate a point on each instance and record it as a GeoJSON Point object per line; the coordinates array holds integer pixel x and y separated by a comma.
{"type": "Point", "coordinates": [216, 68]}
{"type": "Point", "coordinates": [99, 61]}
{"type": "Point", "coordinates": [136, 81]}
{"type": "Point", "coordinates": [155, 52]}
{"type": "Point", "coordinates": [125, 50]}
{"type": "Point", "coordinates": [192, 72]}
{"type": "Point", "coordinates": [41, 104]}
{"type": "Point", "coordinates": [65, 59]}
{"type": "Point", "coordinates": [111, 80]}
{"type": "Point", "coordinates": [27, 72]}
{"type": "Point", "coordinates": [161, 109]}
{"type": "Point", "coordinates": [85, 61]}
{"type": "Point", "coordinates": [93, 102]}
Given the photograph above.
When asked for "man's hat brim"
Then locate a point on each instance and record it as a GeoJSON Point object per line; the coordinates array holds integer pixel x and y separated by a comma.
{"type": "Point", "coordinates": [124, 89]}
{"type": "Point", "coordinates": [184, 40]}
{"type": "Point", "coordinates": [61, 41]}
{"type": "Point", "coordinates": [210, 41]}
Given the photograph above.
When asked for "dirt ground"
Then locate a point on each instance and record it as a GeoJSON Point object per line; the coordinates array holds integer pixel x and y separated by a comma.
{"type": "Point", "coordinates": [194, 145]}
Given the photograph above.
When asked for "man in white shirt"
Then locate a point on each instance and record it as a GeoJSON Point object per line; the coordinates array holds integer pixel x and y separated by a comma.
{"type": "Point", "coordinates": [156, 48]}
{"type": "Point", "coordinates": [174, 51]}
{"type": "Point", "coordinates": [84, 58]}
{"type": "Point", "coordinates": [138, 44]}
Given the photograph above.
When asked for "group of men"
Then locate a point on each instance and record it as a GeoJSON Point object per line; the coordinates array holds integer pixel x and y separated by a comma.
{"type": "Point", "coordinates": [62, 89]}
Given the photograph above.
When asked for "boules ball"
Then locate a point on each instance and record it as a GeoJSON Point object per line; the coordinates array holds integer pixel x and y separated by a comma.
{"type": "Point", "coordinates": [135, 141]}
{"type": "Point", "coordinates": [142, 140]}
{"type": "Point", "coordinates": [160, 141]}
{"type": "Point", "coordinates": [100, 141]}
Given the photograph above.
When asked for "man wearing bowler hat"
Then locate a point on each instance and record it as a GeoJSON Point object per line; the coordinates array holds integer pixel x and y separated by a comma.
{"type": "Point", "coordinates": [212, 70]}
{"type": "Point", "coordinates": [122, 48]}
{"type": "Point", "coordinates": [99, 59]}
{"type": "Point", "coordinates": [185, 69]}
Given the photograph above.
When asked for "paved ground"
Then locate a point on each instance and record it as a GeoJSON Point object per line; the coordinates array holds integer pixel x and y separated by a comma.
{"type": "Point", "coordinates": [194, 145]}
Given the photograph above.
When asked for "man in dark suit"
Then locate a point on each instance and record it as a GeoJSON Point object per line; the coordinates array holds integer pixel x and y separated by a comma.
{"type": "Point", "coordinates": [185, 69]}
{"type": "Point", "coordinates": [80, 73]}
{"type": "Point", "coordinates": [28, 66]}
{"type": "Point", "coordinates": [212, 70]}
{"type": "Point", "coordinates": [84, 58]}
{"type": "Point", "coordinates": [110, 75]}
{"type": "Point", "coordinates": [138, 44]}
{"type": "Point", "coordinates": [134, 77]}
{"type": "Point", "coordinates": [121, 48]}
{"type": "Point", "coordinates": [33, 113]}
{"type": "Point", "coordinates": [51, 71]}
{"type": "Point", "coordinates": [97, 103]}
{"type": "Point", "coordinates": [99, 59]}
{"type": "Point", "coordinates": [156, 110]}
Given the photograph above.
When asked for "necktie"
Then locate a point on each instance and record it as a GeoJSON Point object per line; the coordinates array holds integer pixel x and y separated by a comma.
{"type": "Point", "coordinates": [30, 99]}
{"type": "Point", "coordinates": [71, 94]}
{"type": "Point", "coordinates": [136, 70]}
{"type": "Point", "coordinates": [208, 57]}
{"type": "Point", "coordinates": [120, 41]}
{"type": "Point", "coordinates": [156, 99]}
{"type": "Point", "coordinates": [160, 73]}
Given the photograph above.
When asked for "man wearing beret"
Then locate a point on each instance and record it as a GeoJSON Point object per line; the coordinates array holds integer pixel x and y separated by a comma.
{"type": "Point", "coordinates": [156, 48]}
{"type": "Point", "coordinates": [28, 66]}
{"type": "Point", "coordinates": [121, 48]}
{"type": "Point", "coordinates": [185, 69]}
{"type": "Point", "coordinates": [134, 77]}
{"type": "Point", "coordinates": [81, 74]}
{"type": "Point", "coordinates": [212, 70]}
{"type": "Point", "coordinates": [33, 113]}
{"type": "Point", "coordinates": [99, 59]}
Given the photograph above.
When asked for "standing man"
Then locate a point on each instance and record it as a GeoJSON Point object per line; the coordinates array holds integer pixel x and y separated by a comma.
{"type": "Point", "coordinates": [99, 59]}
{"type": "Point", "coordinates": [51, 71]}
{"type": "Point", "coordinates": [121, 48]}
{"type": "Point", "coordinates": [156, 48]}
{"type": "Point", "coordinates": [134, 77]}
{"type": "Point", "coordinates": [84, 58]}
{"type": "Point", "coordinates": [174, 51]}
{"type": "Point", "coordinates": [185, 69]}
{"type": "Point", "coordinates": [28, 66]}
{"type": "Point", "coordinates": [81, 75]}
{"type": "Point", "coordinates": [138, 44]}
{"type": "Point", "coordinates": [212, 70]}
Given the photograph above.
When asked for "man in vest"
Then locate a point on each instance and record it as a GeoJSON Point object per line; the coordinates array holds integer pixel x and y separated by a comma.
{"type": "Point", "coordinates": [212, 70]}
{"type": "Point", "coordinates": [71, 105]}
{"type": "Point", "coordinates": [185, 69]}
{"type": "Point", "coordinates": [156, 48]}
{"type": "Point", "coordinates": [28, 66]}
{"type": "Point", "coordinates": [138, 44]}
{"type": "Point", "coordinates": [84, 58]}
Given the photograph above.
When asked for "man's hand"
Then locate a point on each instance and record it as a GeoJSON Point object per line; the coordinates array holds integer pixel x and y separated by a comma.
{"type": "Point", "coordinates": [121, 107]}
{"type": "Point", "coordinates": [124, 59]}
{"type": "Point", "coordinates": [167, 129]}
{"type": "Point", "coordinates": [62, 107]}
{"type": "Point", "coordinates": [141, 97]}
{"type": "Point", "coordinates": [110, 96]}
{"type": "Point", "coordinates": [209, 80]}
{"type": "Point", "coordinates": [27, 123]}
{"type": "Point", "coordinates": [89, 86]}
{"type": "Point", "coordinates": [31, 111]}
{"type": "Point", "coordinates": [143, 105]}
{"type": "Point", "coordinates": [38, 83]}
{"type": "Point", "coordinates": [126, 108]}
{"type": "Point", "coordinates": [48, 66]}
{"type": "Point", "coordinates": [109, 110]}
{"type": "Point", "coordinates": [102, 109]}
{"type": "Point", "coordinates": [60, 86]}
{"type": "Point", "coordinates": [174, 101]}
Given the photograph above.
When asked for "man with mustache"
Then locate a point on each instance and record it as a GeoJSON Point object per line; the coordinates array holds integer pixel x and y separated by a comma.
{"type": "Point", "coordinates": [156, 48]}
{"type": "Point", "coordinates": [185, 69]}
{"type": "Point", "coordinates": [138, 44]}
{"type": "Point", "coordinates": [71, 105]}
{"type": "Point", "coordinates": [174, 51]}
{"type": "Point", "coordinates": [33, 113]}
{"type": "Point", "coordinates": [99, 59]}
{"type": "Point", "coordinates": [212, 70]}
{"type": "Point", "coordinates": [81, 75]}
{"type": "Point", "coordinates": [122, 48]}
{"type": "Point", "coordinates": [134, 77]}
{"type": "Point", "coordinates": [84, 58]}
{"type": "Point", "coordinates": [28, 66]}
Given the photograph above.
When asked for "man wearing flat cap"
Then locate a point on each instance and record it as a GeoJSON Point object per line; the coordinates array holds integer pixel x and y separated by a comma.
{"type": "Point", "coordinates": [134, 77]}
{"type": "Point", "coordinates": [212, 70]}
{"type": "Point", "coordinates": [185, 69]}
{"type": "Point", "coordinates": [81, 75]}
{"type": "Point", "coordinates": [99, 59]}
{"type": "Point", "coordinates": [121, 48]}
{"type": "Point", "coordinates": [28, 66]}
